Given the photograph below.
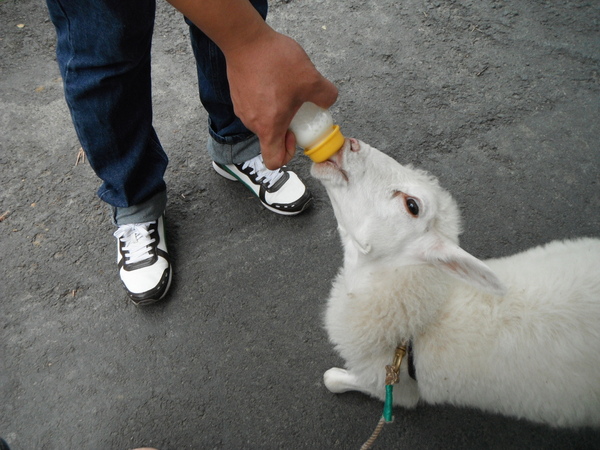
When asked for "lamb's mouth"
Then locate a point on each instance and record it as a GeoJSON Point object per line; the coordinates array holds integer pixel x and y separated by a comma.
{"type": "Point", "coordinates": [334, 163]}
{"type": "Point", "coordinates": [337, 159]}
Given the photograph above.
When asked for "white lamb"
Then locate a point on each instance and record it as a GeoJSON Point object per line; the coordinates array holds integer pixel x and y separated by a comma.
{"type": "Point", "coordinates": [518, 335]}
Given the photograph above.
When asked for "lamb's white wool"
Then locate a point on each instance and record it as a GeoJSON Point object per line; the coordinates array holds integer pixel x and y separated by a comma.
{"type": "Point", "coordinates": [518, 335]}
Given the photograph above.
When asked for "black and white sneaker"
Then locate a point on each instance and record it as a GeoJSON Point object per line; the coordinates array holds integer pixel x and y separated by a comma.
{"type": "Point", "coordinates": [144, 264]}
{"type": "Point", "coordinates": [280, 190]}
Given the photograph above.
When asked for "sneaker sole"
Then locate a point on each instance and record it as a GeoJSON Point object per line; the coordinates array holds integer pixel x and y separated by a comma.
{"type": "Point", "coordinates": [151, 300]}
{"type": "Point", "coordinates": [232, 177]}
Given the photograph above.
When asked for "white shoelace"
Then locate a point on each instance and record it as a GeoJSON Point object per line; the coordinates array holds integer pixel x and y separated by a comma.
{"type": "Point", "coordinates": [269, 177]}
{"type": "Point", "coordinates": [137, 240]}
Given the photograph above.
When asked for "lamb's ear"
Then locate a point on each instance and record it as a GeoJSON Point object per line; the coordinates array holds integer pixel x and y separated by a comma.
{"type": "Point", "coordinates": [453, 260]}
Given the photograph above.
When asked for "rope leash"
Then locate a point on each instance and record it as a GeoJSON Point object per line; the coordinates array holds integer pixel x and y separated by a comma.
{"type": "Point", "coordinates": [392, 376]}
{"type": "Point", "coordinates": [367, 445]}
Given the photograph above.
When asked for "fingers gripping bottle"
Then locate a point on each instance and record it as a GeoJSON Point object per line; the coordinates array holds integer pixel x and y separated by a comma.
{"type": "Point", "coordinates": [315, 132]}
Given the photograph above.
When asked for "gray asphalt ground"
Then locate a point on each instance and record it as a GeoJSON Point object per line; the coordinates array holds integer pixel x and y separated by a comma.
{"type": "Point", "coordinates": [500, 100]}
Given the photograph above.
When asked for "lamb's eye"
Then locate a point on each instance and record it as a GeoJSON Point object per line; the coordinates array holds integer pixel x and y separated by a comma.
{"type": "Point", "coordinates": [412, 206]}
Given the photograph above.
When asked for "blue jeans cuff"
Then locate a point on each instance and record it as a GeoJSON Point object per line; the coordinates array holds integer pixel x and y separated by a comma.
{"type": "Point", "coordinates": [237, 153]}
{"type": "Point", "coordinates": [147, 211]}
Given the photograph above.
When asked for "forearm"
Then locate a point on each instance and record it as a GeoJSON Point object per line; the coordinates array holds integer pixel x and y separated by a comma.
{"type": "Point", "coordinates": [231, 24]}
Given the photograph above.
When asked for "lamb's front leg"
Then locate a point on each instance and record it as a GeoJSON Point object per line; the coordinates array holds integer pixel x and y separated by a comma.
{"type": "Point", "coordinates": [340, 380]}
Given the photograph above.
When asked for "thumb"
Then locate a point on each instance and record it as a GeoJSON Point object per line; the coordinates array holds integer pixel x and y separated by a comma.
{"type": "Point", "coordinates": [278, 150]}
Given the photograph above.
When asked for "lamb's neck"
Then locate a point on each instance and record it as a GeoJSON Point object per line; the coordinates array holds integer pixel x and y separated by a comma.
{"type": "Point", "coordinates": [410, 296]}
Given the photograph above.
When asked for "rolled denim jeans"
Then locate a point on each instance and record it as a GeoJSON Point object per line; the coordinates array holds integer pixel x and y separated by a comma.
{"type": "Point", "coordinates": [103, 52]}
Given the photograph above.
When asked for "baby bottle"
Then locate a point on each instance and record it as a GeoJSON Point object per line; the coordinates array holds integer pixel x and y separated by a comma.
{"type": "Point", "coordinates": [316, 133]}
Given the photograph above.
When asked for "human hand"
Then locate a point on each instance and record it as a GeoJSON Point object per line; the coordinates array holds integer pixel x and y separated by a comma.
{"type": "Point", "coordinates": [270, 78]}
